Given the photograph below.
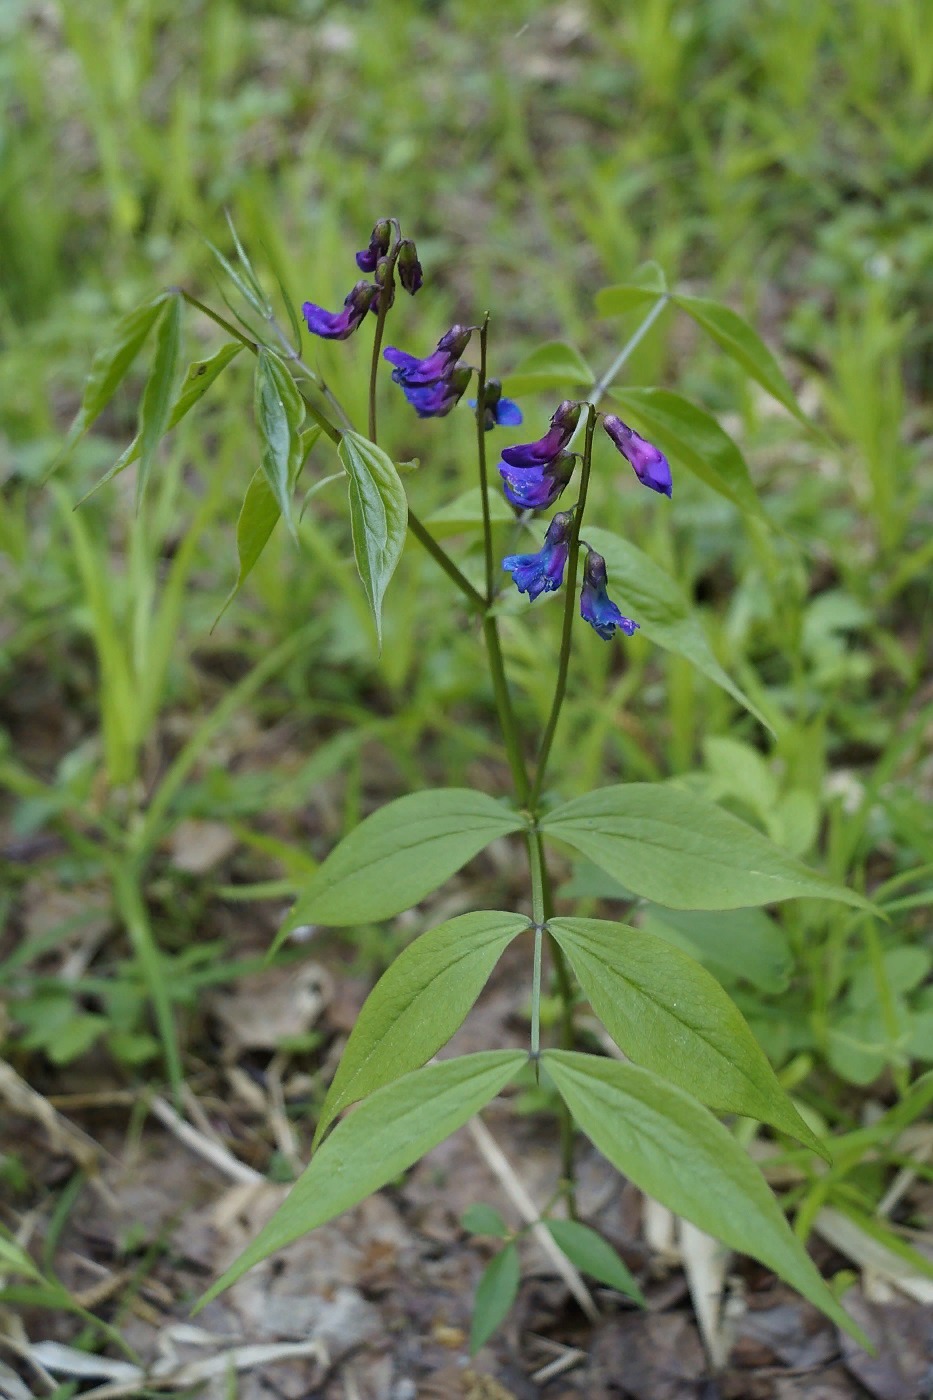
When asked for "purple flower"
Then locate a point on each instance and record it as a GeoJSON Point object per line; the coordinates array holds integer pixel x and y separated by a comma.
{"type": "Point", "coordinates": [536, 488]}
{"type": "Point", "coordinates": [498, 412]}
{"type": "Point", "coordinates": [410, 370]}
{"type": "Point", "coordinates": [410, 272]}
{"type": "Point", "coordinates": [650, 464]}
{"type": "Point", "coordinates": [543, 572]}
{"type": "Point", "coordinates": [338, 325]}
{"type": "Point", "coordinates": [596, 607]}
{"type": "Point", "coordinates": [436, 400]}
{"type": "Point", "coordinates": [535, 454]}
{"type": "Point", "coordinates": [367, 258]}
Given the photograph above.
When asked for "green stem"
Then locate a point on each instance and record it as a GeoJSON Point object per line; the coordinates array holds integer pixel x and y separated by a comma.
{"type": "Point", "coordinates": [481, 457]}
{"type": "Point", "coordinates": [536, 865]}
{"type": "Point", "coordinates": [507, 721]}
{"type": "Point", "coordinates": [440, 556]}
{"type": "Point", "coordinates": [543, 900]}
{"type": "Point", "coordinates": [563, 664]}
{"type": "Point", "coordinates": [385, 299]}
{"type": "Point", "coordinates": [605, 381]}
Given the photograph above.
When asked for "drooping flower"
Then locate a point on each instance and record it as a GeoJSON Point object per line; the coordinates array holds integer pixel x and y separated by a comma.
{"type": "Point", "coordinates": [537, 487]}
{"type": "Point", "coordinates": [410, 271]}
{"type": "Point", "coordinates": [367, 258]}
{"type": "Point", "coordinates": [543, 572]}
{"type": "Point", "coordinates": [558, 435]}
{"type": "Point", "coordinates": [596, 607]}
{"type": "Point", "coordinates": [649, 462]}
{"type": "Point", "coordinates": [436, 400]}
{"type": "Point", "coordinates": [498, 412]}
{"type": "Point", "coordinates": [410, 370]}
{"type": "Point", "coordinates": [338, 325]}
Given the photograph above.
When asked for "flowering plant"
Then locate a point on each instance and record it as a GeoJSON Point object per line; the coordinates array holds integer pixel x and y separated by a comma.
{"type": "Point", "coordinates": [687, 1053]}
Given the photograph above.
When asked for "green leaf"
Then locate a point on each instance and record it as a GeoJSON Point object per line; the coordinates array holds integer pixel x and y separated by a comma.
{"type": "Point", "coordinates": [668, 845]}
{"type": "Point", "coordinates": [259, 515]}
{"type": "Point", "coordinates": [466, 513]}
{"type": "Point", "coordinates": [658, 605]}
{"type": "Point", "coordinates": [378, 516]}
{"type": "Point", "coordinates": [555, 365]}
{"type": "Point", "coordinates": [735, 944]}
{"type": "Point", "coordinates": [280, 413]}
{"type": "Point", "coordinates": [157, 395]}
{"type": "Point", "coordinates": [262, 301]}
{"type": "Point", "coordinates": [199, 378]}
{"type": "Point", "coordinates": [417, 1004]}
{"type": "Point", "coordinates": [692, 438]}
{"type": "Point", "coordinates": [667, 1013]}
{"type": "Point", "coordinates": [646, 284]}
{"type": "Point", "coordinates": [734, 335]}
{"type": "Point", "coordinates": [675, 1151]}
{"type": "Point", "coordinates": [399, 854]}
{"type": "Point", "coordinates": [594, 1256]}
{"type": "Point", "coordinates": [249, 289]}
{"type": "Point", "coordinates": [109, 367]}
{"type": "Point", "coordinates": [481, 1219]}
{"type": "Point", "coordinates": [495, 1294]}
{"type": "Point", "coordinates": [381, 1139]}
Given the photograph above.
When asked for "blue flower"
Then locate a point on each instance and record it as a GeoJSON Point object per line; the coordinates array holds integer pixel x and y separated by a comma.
{"type": "Point", "coordinates": [649, 462]}
{"type": "Point", "coordinates": [436, 400]}
{"type": "Point", "coordinates": [537, 487]}
{"type": "Point", "coordinates": [498, 412]}
{"type": "Point", "coordinates": [596, 607]}
{"type": "Point", "coordinates": [410, 370]}
{"type": "Point", "coordinates": [367, 258]}
{"type": "Point", "coordinates": [338, 325]}
{"type": "Point", "coordinates": [558, 435]}
{"type": "Point", "coordinates": [543, 572]}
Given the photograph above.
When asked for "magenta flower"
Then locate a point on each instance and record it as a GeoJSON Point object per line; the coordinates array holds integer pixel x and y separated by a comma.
{"type": "Point", "coordinates": [537, 487]}
{"type": "Point", "coordinates": [649, 463]}
{"type": "Point", "coordinates": [596, 607]}
{"type": "Point", "coordinates": [367, 258]}
{"type": "Point", "coordinates": [410, 370]}
{"type": "Point", "coordinates": [536, 454]}
{"type": "Point", "coordinates": [338, 325]}
{"type": "Point", "coordinates": [436, 400]}
{"type": "Point", "coordinates": [543, 572]}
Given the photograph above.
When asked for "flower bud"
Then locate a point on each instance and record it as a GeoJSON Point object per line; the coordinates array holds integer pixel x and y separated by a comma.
{"type": "Point", "coordinates": [410, 272]}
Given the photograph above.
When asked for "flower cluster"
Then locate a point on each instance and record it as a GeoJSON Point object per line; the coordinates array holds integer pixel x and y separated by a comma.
{"type": "Point", "coordinates": [434, 384]}
{"type": "Point", "coordinates": [534, 474]}
{"type": "Point", "coordinates": [379, 259]}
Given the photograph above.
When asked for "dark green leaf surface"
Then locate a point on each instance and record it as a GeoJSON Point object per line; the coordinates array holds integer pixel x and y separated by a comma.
{"type": "Point", "coordinates": [692, 438]}
{"type": "Point", "coordinates": [667, 1013]}
{"type": "Point", "coordinates": [594, 1256]}
{"type": "Point", "coordinates": [377, 1142]}
{"type": "Point", "coordinates": [675, 1151]}
{"type": "Point", "coordinates": [378, 516]}
{"type": "Point", "coordinates": [279, 415]}
{"type": "Point", "coordinates": [417, 1004]}
{"type": "Point", "coordinates": [159, 392]}
{"type": "Point", "coordinates": [744, 345]}
{"type": "Point", "coordinates": [495, 1294]}
{"type": "Point", "coordinates": [399, 854]}
{"type": "Point", "coordinates": [645, 592]}
{"type": "Point", "coordinates": [481, 1219]}
{"type": "Point", "coordinates": [668, 845]}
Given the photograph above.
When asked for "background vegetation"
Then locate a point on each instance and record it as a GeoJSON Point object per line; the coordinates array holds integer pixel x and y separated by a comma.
{"type": "Point", "coordinates": [779, 156]}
